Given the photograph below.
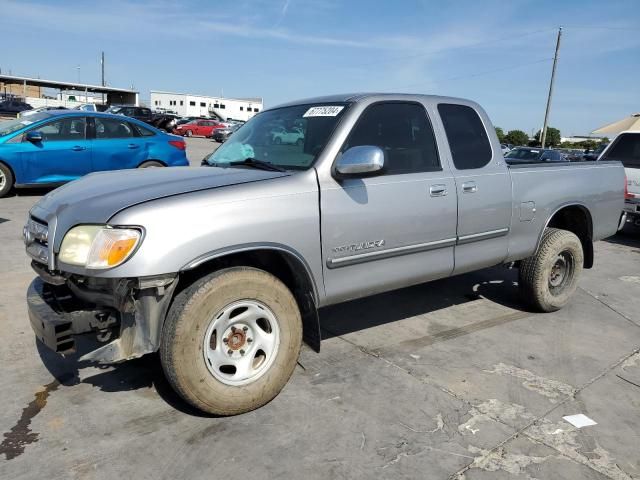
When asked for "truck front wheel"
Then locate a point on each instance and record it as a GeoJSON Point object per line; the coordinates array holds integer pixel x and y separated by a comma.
{"type": "Point", "coordinates": [231, 340]}
{"type": "Point", "coordinates": [549, 278]}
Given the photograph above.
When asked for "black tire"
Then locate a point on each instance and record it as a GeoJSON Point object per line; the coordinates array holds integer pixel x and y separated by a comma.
{"type": "Point", "coordinates": [183, 336]}
{"type": "Point", "coordinates": [151, 164]}
{"type": "Point", "coordinates": [299, 142]}
{"type": "Point", "coordinates": [549, 278]}
{"type": "Point", "coordinates": [6, 180]}
{"type": "Point", "coordinates": [277, 140]}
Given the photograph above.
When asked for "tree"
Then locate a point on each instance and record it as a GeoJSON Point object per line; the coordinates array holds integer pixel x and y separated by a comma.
{"type": "Point", "coordinates": [553, 137]}
{"type": "Point", "coordinates": [516, 137]}
{"type": "Point", "coordinates": [500, 134]}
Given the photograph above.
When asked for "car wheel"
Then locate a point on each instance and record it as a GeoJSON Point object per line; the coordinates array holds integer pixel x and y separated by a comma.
{"type": "Point", "coordinates": [549, 278]}
{"type": "Point", "coordinates": [150, 164]}
{"type": "Point", "coordinates": [189, 133]}
{"type": "Point", "coordinates": [231, 340]}
{"type": "Point", "coordinates": [299, 142]}
{"type": "Point", "coordinates": [6, 180]}
{"type": "Point", "coordinates": [277, 140]}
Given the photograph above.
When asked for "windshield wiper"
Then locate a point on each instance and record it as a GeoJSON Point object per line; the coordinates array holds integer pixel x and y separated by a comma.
{"type": "Point", "coordinates": [255, 163]}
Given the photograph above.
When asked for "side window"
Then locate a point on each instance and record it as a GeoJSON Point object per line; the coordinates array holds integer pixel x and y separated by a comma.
{"type": "Point", "coordinates": [71, 128]}
{"type": "Point", "coordinates": [405, 134]}
{"type": "Point", "coordinates": [143, 131]}
{"type": "Point", "coordinates": [626, 149]}
{"type": "Point", "coordinates": [111, 128]}
{"type": "Point", "coordinates": [145, 112]}
{"type": "Point", "coordinates": [468, 141]}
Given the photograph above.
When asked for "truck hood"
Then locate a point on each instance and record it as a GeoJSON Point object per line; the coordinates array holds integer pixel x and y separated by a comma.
{"type": "Point", "coordinates": [97, 197]}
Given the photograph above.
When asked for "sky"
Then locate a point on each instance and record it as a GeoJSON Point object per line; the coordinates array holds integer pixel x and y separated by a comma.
{"type": "Point", "coordinates": [498, 53]}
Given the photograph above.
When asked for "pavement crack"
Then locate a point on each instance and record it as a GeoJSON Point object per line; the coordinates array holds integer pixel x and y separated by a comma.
{"type": "Point", "coordinates": [627, 318]}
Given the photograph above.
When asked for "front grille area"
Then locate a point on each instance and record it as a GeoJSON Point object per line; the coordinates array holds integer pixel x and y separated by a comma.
{"type": "Point", "coordinates": [36, 239]}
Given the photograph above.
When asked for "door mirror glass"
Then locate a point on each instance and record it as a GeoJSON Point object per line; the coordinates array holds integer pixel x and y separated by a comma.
{"type": "Point", "coordinates": [34, 136]}
{"type": "Point", "coordinates": [361, 160]}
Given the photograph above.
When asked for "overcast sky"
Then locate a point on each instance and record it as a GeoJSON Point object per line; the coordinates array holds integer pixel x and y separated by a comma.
{"type": "Point", "coordinates": [495, 52]}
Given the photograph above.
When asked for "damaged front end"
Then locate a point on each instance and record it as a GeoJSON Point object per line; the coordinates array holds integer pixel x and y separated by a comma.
{"type": "Point", "coordinates": [125, 315]}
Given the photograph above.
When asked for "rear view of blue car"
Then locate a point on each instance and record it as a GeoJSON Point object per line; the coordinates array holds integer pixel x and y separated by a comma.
{"type": "Point", "coordinates": [54, 147]}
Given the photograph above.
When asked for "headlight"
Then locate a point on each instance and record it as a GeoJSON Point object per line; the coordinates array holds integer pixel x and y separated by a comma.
{"type": "Point", "coordinates": [95, 246]}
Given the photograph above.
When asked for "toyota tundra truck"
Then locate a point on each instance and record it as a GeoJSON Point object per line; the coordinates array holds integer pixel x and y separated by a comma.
{"type": "Point", "coordinates": [222, 269]}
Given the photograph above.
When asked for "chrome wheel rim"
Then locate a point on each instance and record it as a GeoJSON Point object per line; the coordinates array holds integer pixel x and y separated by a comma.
{"type": "Point", "coordinates": [241, 342]}
{"type": "Point", "coordinates": [3, 180]}
{"type": "Point", "coordinates": [561, 272]}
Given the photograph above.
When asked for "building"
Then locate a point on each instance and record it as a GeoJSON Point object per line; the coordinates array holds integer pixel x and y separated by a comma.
{"type": "Point", "coordinates": [39, 92]}
{"type": "Point", "coordinates": [188, 105]}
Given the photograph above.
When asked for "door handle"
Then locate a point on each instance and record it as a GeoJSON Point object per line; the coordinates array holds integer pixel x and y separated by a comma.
{"type": "Point", "coordinates": [78, 148]}
{"type": "Point", "coordinates": [133, 145]}
{"type": "Point", "coordinates": [438, 190]}
{"type": "Point", "coordinates": [469, 187]}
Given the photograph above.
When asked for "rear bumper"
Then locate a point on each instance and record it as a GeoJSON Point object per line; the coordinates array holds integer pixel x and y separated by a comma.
{"type": "Point", "coordinates": [632, 206]}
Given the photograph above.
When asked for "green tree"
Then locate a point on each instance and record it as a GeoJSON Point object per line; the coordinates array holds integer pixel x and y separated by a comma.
{"type": "Point", "coordinates": [500, 134]}
{"type": "Point", "coordinates": [516, 137]}
{"type": "Point", "coordinates": [553, 137]}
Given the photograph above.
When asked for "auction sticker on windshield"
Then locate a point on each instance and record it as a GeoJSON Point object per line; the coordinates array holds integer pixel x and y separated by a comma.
{"type": "Point", "coordinates": [328, 111]}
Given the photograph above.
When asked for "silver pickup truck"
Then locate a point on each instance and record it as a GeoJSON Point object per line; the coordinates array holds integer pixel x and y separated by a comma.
{"type": "Point", "coordinates": [222, 269]}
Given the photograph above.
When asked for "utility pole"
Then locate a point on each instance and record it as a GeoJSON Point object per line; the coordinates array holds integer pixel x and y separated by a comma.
{"type": "Point", "coordinates": [543, 135]}
{"type": "Point", "coordinates": [102, 68]}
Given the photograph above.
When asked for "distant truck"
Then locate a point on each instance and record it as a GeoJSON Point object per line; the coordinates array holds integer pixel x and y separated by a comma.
{"type": "Point", "coordinates": [222, 269]}
{"type": "Point", "coordinates": [625, 148]}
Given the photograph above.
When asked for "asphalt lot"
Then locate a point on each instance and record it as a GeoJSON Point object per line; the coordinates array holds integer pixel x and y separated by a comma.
{"type": "Point", "coordinates": [452, 379]}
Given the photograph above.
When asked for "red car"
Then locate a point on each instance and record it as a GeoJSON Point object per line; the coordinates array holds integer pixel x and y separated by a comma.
{"type": "Point", "coordinates": [204, 128]}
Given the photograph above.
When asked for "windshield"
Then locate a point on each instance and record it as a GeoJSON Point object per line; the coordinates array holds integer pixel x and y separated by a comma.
{"type": "Point", "coordinates": [113, 109]}
{"type": "Point", "coordinates": [523, 154]}
{"type": "Point", "coordinates": [10, 126]}
{"type": "Point", "coordinates": [288, 137]}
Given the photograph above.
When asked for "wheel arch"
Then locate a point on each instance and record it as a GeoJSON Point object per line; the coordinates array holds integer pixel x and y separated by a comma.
{"type": "Point", "coordinates": [8, 165]}
{"type": "Point", "coordinates": [281, 261]}
{"type": "Point", "coordinates": [164, 164]}
{"type": "Point", "coordinates": [576, 218]}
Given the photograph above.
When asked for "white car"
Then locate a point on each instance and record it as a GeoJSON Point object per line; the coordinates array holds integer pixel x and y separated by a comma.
{"type": "Point", "coordinates": [282, 135]}
{"type": "Point", "coordinates": [626, 149]}
{"type": "Point", "coordinates": [28, 113]}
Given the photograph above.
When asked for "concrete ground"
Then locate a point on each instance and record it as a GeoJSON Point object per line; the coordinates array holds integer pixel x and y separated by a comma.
{"type": "Point", "coordinates": [453, 379]}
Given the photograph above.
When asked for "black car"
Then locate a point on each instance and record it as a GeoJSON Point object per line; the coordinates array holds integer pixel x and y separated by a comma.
{"type": "Point", "coordinates": [139, 113]}
{"type": "Point", "coordinates": [164, 121]}
{"type": "Point", "coordinates": [522, 155]}
{"type": "Point", "coordinates": [14, 106]}
{"type": "Point", "coordinates": [221, 135]}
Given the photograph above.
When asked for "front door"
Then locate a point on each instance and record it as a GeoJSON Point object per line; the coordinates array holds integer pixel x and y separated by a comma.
{"type": "Point", "coordinates": [399, 227]}
{"type": "Point", "coordinates": [64, 153]}
{"type": "Point", "coordinates": [483, 184]}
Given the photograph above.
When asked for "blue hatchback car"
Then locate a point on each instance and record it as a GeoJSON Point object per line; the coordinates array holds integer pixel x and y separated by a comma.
{"type": "Point", "coordinates": [57, 146]}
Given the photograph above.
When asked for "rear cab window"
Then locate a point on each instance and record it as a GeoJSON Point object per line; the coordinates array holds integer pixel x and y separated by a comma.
{"type": "Point", "coordinates": [626, 149]}
{"type": "Point", "coordinates": [467, 137]}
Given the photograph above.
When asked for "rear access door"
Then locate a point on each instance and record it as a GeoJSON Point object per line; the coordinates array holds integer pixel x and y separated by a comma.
{"type": "Point", "coordinates": [483, 185]}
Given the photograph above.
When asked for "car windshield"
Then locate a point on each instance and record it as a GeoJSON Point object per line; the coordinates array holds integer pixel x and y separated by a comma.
{"type": "Point", "coordinates": [290, 137]}
{"type": "Point", "coordinates": [113, 109]}
{"type": "Point", "coordinates": [523, 154]}
{"type": "Point", "coordinates": [10, 126]}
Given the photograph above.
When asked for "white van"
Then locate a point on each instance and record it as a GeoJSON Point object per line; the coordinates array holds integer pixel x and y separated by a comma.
{"type": "Point", "coordinates": [626, 148]}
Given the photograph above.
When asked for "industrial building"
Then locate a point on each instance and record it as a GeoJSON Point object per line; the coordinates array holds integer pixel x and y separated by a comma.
{"type": "Point", "coordinates": [189, 105]}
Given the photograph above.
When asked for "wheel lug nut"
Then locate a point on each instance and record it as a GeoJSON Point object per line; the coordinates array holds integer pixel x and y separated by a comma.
{"type": "Point", "coordinates": [249, 340]}
{"type": "Point", "coordinates": [241, 352]}
{"type": "Point", "coordinates": [245, 328]}
{"type": "Point", "coordinates": [233, 329]}
{"type": "Point", "coordinates": [230, 352]}
{"type": "Point", "coordinates": [225, 340]}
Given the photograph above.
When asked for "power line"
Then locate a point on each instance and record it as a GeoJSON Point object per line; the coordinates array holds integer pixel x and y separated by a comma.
{"type": "Point", "coordinates": [602, 27]}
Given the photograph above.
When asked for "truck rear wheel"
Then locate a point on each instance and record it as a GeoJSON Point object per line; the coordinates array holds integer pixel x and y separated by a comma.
{"type": "Point", "coordinates": [549, 278]}
{"type": "Point", "coordinates": [231, 340]}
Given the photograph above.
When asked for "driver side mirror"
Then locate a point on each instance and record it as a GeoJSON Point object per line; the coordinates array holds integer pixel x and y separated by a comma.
{"type": "Point", "coordinates": [34, 136]}
{"type": "Point", "coordinates": [360, 161]}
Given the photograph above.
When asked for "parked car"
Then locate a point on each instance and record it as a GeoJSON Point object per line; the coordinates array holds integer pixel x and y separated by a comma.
{"type": "Point", "coordinates": [221, 135]}
{"type": "Point", "coordinates": [505, 148]}
{"type": "Point", "coordinates": [139, 113]}
{"type": "Point", "coordinates": [625, 148]}
{"type": "Point", "coordinates": [91, 107]}
{"type": "Point", "coordinates": [27, 113]}
{"type": "Point", "coordinates": [14, 107]}
{"type": "Point", "coordinates": [222, 269]}
{"type": "Point", "coordinates": [164, 121]}
{"type": "Point", "coordinates": [293, 136]}
{"type": "Point", "coordinates": [592, 155]}
{"type": "Point", "coordinates": [521, 155]}
{"type": "Point", "coordinates": [202, 128]}
{"type": "Point", "coordinates": [54, 147]}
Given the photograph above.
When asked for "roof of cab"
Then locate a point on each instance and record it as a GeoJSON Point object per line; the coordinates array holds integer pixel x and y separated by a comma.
{"type": "Point", "coordinates": [357, 97]}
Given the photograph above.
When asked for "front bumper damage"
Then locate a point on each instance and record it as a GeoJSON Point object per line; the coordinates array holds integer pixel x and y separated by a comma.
{"type": "Point", "coordinates": [124, 315]}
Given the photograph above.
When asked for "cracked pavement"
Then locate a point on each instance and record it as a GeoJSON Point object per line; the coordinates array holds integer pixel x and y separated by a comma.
{"type": "Point", "coordinates": [452, 379]}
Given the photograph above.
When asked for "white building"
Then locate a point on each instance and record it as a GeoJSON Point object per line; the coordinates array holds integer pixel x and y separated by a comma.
{"type": "Point", "coordinates": [188, 105]}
